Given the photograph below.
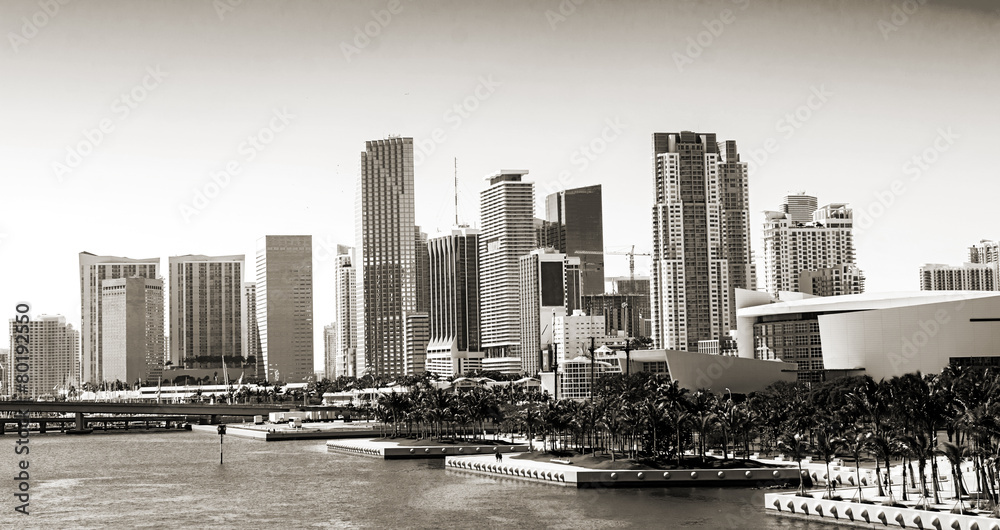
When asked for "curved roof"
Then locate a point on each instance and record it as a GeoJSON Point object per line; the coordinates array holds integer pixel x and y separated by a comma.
{"type": "Point", "coordinates": [863, 302]}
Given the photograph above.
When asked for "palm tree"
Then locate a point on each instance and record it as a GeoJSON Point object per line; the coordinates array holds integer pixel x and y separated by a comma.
{"type": "Point", "coordinates": [955, 454]}
{"type": "Point", "coordinates": [918, 446]}
{"type": "Point", "coordinates": [674, 401]}
{"type": "Point", "coordinates": [795, 446]}
{"type": "Point", "coordinates": [827, 445]}
{"type": "Point", "coordinates": [883, 448]}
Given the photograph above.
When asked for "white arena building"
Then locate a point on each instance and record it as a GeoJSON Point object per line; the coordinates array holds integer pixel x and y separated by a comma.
{"type": "Point", "coordinates": [877, 334]}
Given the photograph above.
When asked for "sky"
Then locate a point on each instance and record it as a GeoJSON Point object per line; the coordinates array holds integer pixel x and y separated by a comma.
{"type": "Point", "coordinates": [157, 128]}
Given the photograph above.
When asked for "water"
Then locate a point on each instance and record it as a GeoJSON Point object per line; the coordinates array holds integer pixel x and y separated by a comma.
{"type": "Point", "coordinates": [173, 480]}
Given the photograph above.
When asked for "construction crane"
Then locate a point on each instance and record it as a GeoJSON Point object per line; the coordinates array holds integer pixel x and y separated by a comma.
{"type": "Point", "coordinates": [630, 253]}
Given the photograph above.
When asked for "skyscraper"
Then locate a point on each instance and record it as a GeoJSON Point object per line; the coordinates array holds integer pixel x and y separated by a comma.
{"type": "Point", "coordinates": [507, 209]}
{"type": "Point", "coordinates": [53, 357]}
{"type": "Point", "coordinates": [701, 242]}
{"type": "Point", "coordinates": [387, 260]}
{"type": "Point", "coordinates": [206, 310]}
{"type": "Point", "coordinates": [966, 277]}
{"type": "Point", "coordinates": [132, 333]}
{"type": "Point", "coordinates": [550, 288]}
{"type": "Point", "coordinates": [251, 337]}
{"type": "Point", "coordinates": [791, 247]}
{"type": "Point", "coordinates": [423, 273]}
{"type": "Point", "coordinates": [799, 207]}
{"type": "Point", "coordinates": [576, 228]}
{"type": "Point", "coordinates": [285, 307]}
{"type": "Point", "coordinates": [454, 302]}
{"type": "Point", "coordinates": [94, 270]}
{"type": "Point", "coordinates": [330, 351]}
{"type": "Point", "coordinates": [345, 301]}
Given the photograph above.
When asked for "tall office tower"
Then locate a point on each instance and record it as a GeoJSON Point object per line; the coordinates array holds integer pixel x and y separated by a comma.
{"type": "Point", "coordinates": [576, 228]}
{"type": "Point", "coordinates": [507, 213]}
{"type": "Point", "coordinates": [701, 248]}
{"type": "Point", "coordinates": [454, 295]}
{"type": "Point", "coordinates": [285, 307]}
{"type": "Point", "coordinates": [132, 333]}
{"type": "Point", "coordinates": [423, 272]}
{"type": "Point", "coordinates": [94, 270]}
{"type": "Point", "coordinates": [387, 260]}
{"type": "Point", "coordinates": [345, 301]}
{"type": "Point", "coordinates": [251, 335]}
{"type": "Point", "coordinates": [790, 248]}
{"type": "Point", "coordinates": [832, 281]}
{"type": "Point", "coordinates": [206, 311]}
{"type": "Point", "coordinates": [799, 207]}
{"type": "Point", "coordinates": [330, 351]}
{"type": "Point", "coordinates": [52, 366]}
{"type": "Point", "coordinates": [550, 288]}
{"type": "Point", "coordinates": [966, 277]}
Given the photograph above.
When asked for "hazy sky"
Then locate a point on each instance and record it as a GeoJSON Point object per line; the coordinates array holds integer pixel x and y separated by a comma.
{"type": "Point", "coordinates": [844, 94]}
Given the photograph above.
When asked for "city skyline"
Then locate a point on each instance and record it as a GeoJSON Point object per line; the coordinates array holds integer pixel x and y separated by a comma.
{"type": "Point", "coordinates": [852, 64]}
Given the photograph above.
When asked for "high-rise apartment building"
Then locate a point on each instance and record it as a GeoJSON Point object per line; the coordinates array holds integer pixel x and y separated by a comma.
{"type": "Point", "coordinates": [623, 314]}
{"type": "Point", "coordinates": [52, 366]}
{"type": "Point", "coordinates": [251, 336]}
{"type": "Point", "coordinates": [575, 225]}
{"type": "Point", "coordinates": [508, 232]}
{"type": "Point", "coordinates": [550, 288]}
{"type": "Point", "coordinates": [206, 311]}
{"type": "Point", "coordinates": [132, 329]}
{"type": "Point", "coordinates": [387, 258]}
{"type": "Point", "coordinates": [988, 252]}
{"type": "Point", "coordinates": [966, 277]}
{"type": "Point", "coordinates": [94, 270]}
{"type": "Point", "coordinates": [832, 281]}
{"type": "Point", "coordinates": [790, 247]}
{"type": "Point", "coordinates": [423, 273]}
{"type": "Point", "coordinates": [454, 346]}
{"type": "Point", "coordinates": [345, 300]}
{"type": "Point", "coordinates": [701, 238]}
{"type": "Point", "coordinates": [285, 307]}
{"type": "Point", "coordinates": [330, 351]}
{"type": "Point", "coordinates": [416, 337]}
{"type": "Point", "coordinates": [571, 334]}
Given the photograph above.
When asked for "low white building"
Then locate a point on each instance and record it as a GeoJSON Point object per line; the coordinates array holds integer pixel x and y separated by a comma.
{"type": "Point", "coordinates": [878, 334]}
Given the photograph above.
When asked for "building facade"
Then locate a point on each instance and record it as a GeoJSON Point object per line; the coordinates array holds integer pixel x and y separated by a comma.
{"type": "Point", "coordinates": [575, 227]}
{"type": "Point", "coordinates": [550, 288]}
{"type": "Point", "coordinates": [832, 281]}
{"type": "Point", "coordinates": [966, 277]}
{"type": "Point", "coordinates": [387, 260]}
{"type": "Point", "coordinates": [132, 333]}
{"type": "Point", "coordinates": [508, 232]}
{"type": "Point", "coordinates": [330, 351]}
{"type": "Point", "coordinates": [251, 335]}
{"type": "Point", "coordinates": [285, 307]}
{"type": "Point", "coordinates": [93, 271]}
{"type": "Point", "coordinates": [571, 335]}
{"type": "Point", "coordinates": [454, 301]}
{"type": "Point", "coordinates": [346, 310]}
{"type": "Point", "coordinates": [701, 238]}
{"type": "Point", "coordinates": [206, 311]}
{"type": "Point", "coordinates": [790, 247]}
{"type": "Point", "coordinates": [51, 366]}
{"type": "Point", "coordinates": [624, 314]}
